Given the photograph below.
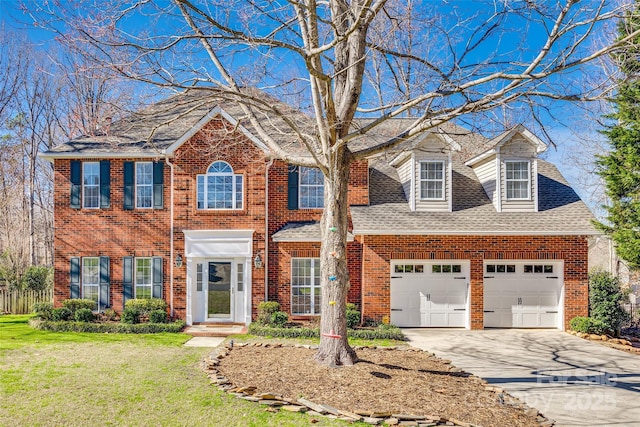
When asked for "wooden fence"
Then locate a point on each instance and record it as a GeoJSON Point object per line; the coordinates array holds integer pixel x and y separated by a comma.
{"type": "Point", "coordinates": [21, 302]}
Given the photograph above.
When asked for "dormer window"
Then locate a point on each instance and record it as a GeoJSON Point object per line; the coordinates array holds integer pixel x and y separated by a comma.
{"type": "Point", "coordinates": [220, 188]}
{"type": "Point", "coordinates": [432, 180]}
{"type": "Point", "coordinates": [517, 179]}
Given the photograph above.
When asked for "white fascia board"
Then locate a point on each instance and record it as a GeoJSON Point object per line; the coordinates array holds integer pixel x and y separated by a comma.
{"type": "Point", "coordinates": [539, 144]}
{"type": "Point", "coordinates": [108, 155]}
{"type": "Point", "coordinates": [206, 119]}
{"type": "Point", "coordinates": [400, 158]}
{"type": "Point", "coordinates": [450, 141]}
{"type": "Point", "coordinates": [379, 232]}
{"type": "Point", "coordinates": [480, 157]}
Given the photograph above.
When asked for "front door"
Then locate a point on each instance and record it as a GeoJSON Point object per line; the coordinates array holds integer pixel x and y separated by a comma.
{"type": "Point", "coordinates": [219, 291]}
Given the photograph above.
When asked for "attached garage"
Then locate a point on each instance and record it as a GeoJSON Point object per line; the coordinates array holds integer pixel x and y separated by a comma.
{"type": "Point", "coordinates": [521, 294]}
{"type": "Point", "coordinates": [430, 293]}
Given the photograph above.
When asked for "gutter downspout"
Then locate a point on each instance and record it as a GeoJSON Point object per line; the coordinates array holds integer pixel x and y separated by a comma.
{"type": "Point", "coordinates": [171, 256]}
{"type": "Point", "coordinates": [266, 230]}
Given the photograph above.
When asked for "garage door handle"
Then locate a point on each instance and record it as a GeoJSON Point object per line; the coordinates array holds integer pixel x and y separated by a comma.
{"type": "Point", "coordinates": [396, 309]}
{"type": "Point", "coordinates": [551, 311]}
{"type": "Point", "coordinates": [489, 277]}
{"type": "Point", "coordinates": [396, 277]}
{"type": "Point", "coordinates": [459, 277]}
{"type": "Point", "coordinates": [489, 311]}
{"type": "Point", "coordinates": [552, 277]}
{"type": "Point", "coordinates": [459, 309]}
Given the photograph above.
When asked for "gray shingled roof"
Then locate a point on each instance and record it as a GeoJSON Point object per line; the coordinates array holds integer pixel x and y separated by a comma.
{"type": "Point", "coordinates": [301, 232]}
{"type": "Point", "coordinates": [152, 130]}
{"type": "Point", "coordinates": [560, 210]}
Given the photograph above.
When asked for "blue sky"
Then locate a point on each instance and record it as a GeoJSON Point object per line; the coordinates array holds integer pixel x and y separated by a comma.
{"type": "Point", "coordinates": [568, 141]}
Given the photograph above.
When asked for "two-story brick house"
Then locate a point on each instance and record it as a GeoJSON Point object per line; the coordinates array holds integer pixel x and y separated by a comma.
{"type": "Point", "coordinates": [181, 201]}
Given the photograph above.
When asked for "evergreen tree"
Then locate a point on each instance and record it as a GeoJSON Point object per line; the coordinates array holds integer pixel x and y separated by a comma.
{"type": "Point", "coordinates": [620, 168]}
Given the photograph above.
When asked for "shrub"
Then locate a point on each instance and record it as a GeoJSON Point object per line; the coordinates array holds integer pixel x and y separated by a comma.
{"type": "Point", "coordinates": [76, 304]}
{"type": "Point", "coordinates": [265, 310]}
{"type": "Point", "coordinates": [130, 316]}
{"type": "Point", "coordinates": [114, 328]}
{"type": "Point", "coordinates": [158, 316]}
{"type": "Point", "coordinates": [353, 316]}
{"type": "Point", "coordinates": [391, 332]}
{"type": "Point", "coordinates": [38, 278]}
{"type": "Point", "coordinates": [61, 314]}
{"type": "Point", "coordinates": [588, 325]}
{"type": "Point", "coordinates": [144, 306]}
{"type": "Point", "coordinates": [279, 318]}
{"type": "Point", "coordinates": [84, 315]}
{"type": "Point", "coordinates": [382, 332]}
{"type": "Point", "coordinates": [606, 299]}
{"type": "Point", "coordinates": [109, 314]}
{"type": "Point", "coordinates": [43, 310]}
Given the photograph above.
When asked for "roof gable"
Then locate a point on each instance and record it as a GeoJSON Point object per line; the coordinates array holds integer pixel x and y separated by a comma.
{"type": "Point", "coordinates": [504, 138]}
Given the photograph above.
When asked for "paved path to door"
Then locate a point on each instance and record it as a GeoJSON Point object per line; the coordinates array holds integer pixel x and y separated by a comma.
{"type": "Point", "coordinates": [570, 380]}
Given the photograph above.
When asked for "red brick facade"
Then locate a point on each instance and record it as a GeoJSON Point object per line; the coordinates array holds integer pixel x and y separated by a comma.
{"type": "Point", "coordinates": [117, 233]}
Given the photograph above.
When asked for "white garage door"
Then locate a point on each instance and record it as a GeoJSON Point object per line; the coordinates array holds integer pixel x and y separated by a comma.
{"type": "Point", "coordinates": [522, 294]}
{"type": "Point", "coordinates": [433, 293]}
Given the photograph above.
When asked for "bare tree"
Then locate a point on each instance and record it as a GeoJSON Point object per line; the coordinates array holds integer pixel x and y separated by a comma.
{"type": "Point", "coordinates": [379, 58]}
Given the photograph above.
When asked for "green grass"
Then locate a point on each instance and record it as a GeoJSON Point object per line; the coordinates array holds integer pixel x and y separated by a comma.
{"type": "Point", "coordinates": [73, 379]}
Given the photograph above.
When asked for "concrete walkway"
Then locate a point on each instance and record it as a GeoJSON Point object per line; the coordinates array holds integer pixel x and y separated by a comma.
{"type": "Point", "coordinates": [570, 380]}
{"type": "Point", "coordinates": [204, 342]}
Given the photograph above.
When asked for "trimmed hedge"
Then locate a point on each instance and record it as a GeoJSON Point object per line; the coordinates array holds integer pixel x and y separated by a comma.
{"type": "Point", "coordinates": [112, 328]}
{"type": "Point", "coordinates": [84, 315]}
{"type": "Point", "coordinates": [76, 304]}
{"type": "Point", "coordinates": [588, 325]}
{"type": "Point", "coordinates": [391, 333]}
{"type": "Point", "coordinates": [144, 306]}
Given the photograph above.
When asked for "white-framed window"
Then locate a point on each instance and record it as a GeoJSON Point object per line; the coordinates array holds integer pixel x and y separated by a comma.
{"type": "Point", "coordinates": [311, 188]}
{"type": "Point", "coordinates": [143, 278]}
{"type": "Point", "coordinates": [144, 185]}
{"type": "Point", "coordinates": [220, 188]}
{"type": "Point", "coordinates": [91, 184]}
{"type": "Point", "coordinates": [91, 279]}
{"type": "Point", "coordinates": [432, 176]}
{"type": "Point", "coordinates": [305, 286]}
{"type": "Point", "coordinates": [518, 179]}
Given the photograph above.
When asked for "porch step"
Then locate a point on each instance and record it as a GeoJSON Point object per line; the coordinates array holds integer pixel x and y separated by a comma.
{"type": "Point", "coordinates": [216, 329]}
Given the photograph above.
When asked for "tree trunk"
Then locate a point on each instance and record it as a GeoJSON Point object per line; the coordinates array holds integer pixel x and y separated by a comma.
{"type": "Point", "coordinates": [334, 349]}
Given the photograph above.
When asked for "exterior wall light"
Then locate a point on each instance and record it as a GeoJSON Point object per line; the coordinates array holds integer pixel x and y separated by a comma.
{"type": "Point", "coordinates": [257, 261]}
{"type": "Point", "coordinates": [178, 261]}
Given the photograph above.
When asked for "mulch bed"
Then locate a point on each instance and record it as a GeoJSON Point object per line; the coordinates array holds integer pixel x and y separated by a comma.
{"type": "Point", "coordinates": [385, 380]}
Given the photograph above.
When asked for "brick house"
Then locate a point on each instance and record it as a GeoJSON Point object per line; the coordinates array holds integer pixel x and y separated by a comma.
{"type": "Point", "coordinates": [181, 201]}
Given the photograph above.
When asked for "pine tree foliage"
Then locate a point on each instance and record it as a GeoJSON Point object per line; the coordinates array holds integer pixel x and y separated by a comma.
{"type": "Point", "coordinates": [620, 168]}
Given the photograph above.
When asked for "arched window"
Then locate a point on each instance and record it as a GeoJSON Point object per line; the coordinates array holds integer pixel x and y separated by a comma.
{"type": "Point", "coordinates": [220, 188]}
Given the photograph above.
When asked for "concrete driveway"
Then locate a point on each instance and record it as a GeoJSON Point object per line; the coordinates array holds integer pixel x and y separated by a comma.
{"type": "Point", "coordinates": [570, 380]}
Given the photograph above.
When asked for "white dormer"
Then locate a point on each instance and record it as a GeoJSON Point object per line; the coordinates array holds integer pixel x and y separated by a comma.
{"type": "Point", "coordinates": [508, 171]}
{"type": "Point", "coordinates": [425, 173]}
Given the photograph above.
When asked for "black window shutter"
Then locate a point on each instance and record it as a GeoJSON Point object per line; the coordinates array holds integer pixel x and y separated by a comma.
{"type": "Point", "coordinates": [128, 184]}
{"type": "Point", "coordinates": [76, 183]}
{"type": "Point", "coordinates": [157, 277]}
{"type": "Point", "coordinates": [127, 279]}
{"type": "Point", "coordinates": [158, 185]}
{"type": "Point", "coordinates": [75, 278]}
{"type": "Point", "coordinates": [103, 301]}
{"type": "Point", "coordinates": [105, 184]}
{"type": "Point", "coordinates": [293, 188]}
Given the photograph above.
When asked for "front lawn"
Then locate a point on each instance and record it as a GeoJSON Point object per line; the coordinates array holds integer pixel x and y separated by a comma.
{"type": "Point", "coordinates": [79, 379]}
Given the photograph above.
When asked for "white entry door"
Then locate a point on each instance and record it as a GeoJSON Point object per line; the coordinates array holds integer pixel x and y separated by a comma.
{"type": "Point", "coordinates": [430, 293]}
{"type": "Point", "coordinates": [522, 294]}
